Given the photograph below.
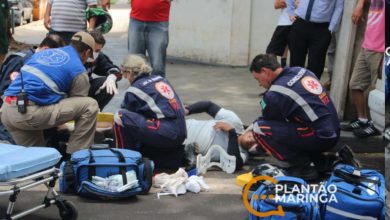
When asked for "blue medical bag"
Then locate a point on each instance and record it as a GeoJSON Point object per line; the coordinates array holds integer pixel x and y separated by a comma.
{"type": "Point", "coordinates": [87, 164]}
{"type": "Point", "coordinates": [360, 194]}
{"type": "Point", "coordinates": [293, 208]}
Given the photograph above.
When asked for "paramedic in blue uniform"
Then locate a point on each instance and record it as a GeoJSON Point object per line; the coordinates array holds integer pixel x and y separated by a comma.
{"type": "Point", "coordinates": [14, 62]}
{"type": "Point", "coordinates": [56, 88]}
{"type": "Point", "coordinates": [299, 121]}
{"type": "Point", "coordinates": [153, 118]}
{"type": "Point", "coordinates": [104, 87]}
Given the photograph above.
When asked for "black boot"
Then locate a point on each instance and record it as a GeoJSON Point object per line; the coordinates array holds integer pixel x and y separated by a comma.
{"type": "Point", "coordinates": [347, 156]}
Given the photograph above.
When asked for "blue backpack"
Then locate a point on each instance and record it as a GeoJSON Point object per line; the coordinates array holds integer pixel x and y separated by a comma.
{"type": "Point", "coordinates": [89, 164]}
{"type": "Point", "coordinates": [360, 194]}
{"type": "Point", "coordinates": [293, 210]}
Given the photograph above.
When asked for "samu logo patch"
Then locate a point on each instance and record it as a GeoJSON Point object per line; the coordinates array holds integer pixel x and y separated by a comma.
{"type": "Point", "coordinates": [165, 90]}
{"type": "Point", "coordinates": [312, 85]}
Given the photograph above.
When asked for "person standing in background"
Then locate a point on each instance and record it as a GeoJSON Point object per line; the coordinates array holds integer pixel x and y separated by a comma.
{"type": "Point", "coordinates": [3, 26]}
{"type": "Point", "coordinates": [280, 38]}
{"type": "Point", "coordinates": [367, 65]}
{"type": "Point", "coordinates": [311, 31]}
{"type": "Point", "coordinates": [65, 18]}
{"type": "Point", "coordinates": [148, 31]}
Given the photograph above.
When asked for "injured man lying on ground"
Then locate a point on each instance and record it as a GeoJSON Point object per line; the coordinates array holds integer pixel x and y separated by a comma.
{"type": "Point", "coordinates": [220, 141]}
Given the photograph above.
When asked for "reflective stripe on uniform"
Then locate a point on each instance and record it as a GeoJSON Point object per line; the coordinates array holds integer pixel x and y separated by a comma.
{"type": "Point", "coordinates": [42, 76]}
{"type": "Point", "coordinates": [18, 54]}
{"type": "Point", "coordinates": [297, 98]}
{"type": "Point", "coordinates": [149, 100]}
{"type": "Point", "coordinates": [348, 214]}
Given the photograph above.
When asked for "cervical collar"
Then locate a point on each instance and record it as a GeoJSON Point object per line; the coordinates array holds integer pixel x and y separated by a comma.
{"type": "Point", "coordinates": [226, 162]}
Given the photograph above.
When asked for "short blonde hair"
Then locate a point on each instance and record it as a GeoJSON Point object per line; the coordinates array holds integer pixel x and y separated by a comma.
{"type": "Point", "coordinates": [136, 64]}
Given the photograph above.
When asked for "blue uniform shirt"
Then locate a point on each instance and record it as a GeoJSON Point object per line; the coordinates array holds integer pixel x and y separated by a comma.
{"type": "Point", "coordinates": [59, 66]}
{"type": "Point", "coordinates": [297, 96]}
{"type": "Point", "coordinates": [323, 11]}
{"type": "Point", "coordinates": [153, 97]}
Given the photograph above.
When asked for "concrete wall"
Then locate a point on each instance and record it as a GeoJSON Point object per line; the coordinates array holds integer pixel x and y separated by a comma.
{"type": "Point", "coordinates": [220, 31]}
{"type": "Point", "coordinates": [264, 20]}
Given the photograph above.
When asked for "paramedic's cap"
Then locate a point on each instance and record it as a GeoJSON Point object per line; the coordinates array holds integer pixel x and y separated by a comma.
{"type": "Point", "coordinates": [84, 37]}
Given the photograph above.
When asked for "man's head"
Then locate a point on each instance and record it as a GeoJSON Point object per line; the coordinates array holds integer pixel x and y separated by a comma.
{"type": "Point", "coordinates": [265, 68]}
{"type": "Point", "coordinates": [51, 41]}
{"type": "Point", "coordinates": [134, 65]}
{"type": "Point", "coordinates": [100, 41]}
{"type": "Point", "coordinates": [247, 140]}
{"type": "Point", "coordinates": [84, 43]}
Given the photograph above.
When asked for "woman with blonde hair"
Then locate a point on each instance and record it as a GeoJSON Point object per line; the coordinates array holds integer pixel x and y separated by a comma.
{"type": "Point", "coordinates": [152, 118]}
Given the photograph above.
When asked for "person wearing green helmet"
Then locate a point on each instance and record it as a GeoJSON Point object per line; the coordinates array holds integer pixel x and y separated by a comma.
{"type": "Point", "coordinates": [103, 19]}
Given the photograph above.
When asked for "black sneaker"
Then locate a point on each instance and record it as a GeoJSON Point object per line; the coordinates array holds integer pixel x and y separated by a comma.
{"type": "Point", "coordinates": [345, 126]}
{"type": "Point", "coordinates": [366, 130]}
{"type": "Point", "coordinates": [347, 156]}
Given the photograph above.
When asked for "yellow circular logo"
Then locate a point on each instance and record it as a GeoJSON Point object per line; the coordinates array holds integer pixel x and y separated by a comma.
{"type": "Point", "coordinates": [254, 180]}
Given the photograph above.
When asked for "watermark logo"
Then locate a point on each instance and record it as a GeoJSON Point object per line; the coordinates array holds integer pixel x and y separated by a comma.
{"type": "Point", "coordinates": [279, 211]}
{"type": "Point", "coordinates": [289, 193]}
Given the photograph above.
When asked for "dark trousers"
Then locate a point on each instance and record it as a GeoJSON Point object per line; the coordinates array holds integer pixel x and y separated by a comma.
{"type": "Point", "coordinates": [311, 39]}
{"type": "Point", "coordinates": [102, 98]}
{"type": "Point", "coordinates": [292, 142]}
{"type": "Point", "coordinates": [155, 139]}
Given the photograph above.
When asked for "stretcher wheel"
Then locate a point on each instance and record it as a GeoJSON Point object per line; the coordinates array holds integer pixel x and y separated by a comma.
{"type": "Point", "coordinates": [67, 210]}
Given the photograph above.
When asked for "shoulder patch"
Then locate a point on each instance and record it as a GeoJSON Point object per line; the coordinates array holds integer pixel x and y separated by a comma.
{"type": "Point", "coordinates": [263, 104]}
{"type": "Point", "coordinates": [165, 90]}
{"type": "Point", "coordinates": [312, 85]}
{"type": "Point", "coordinates": [296, 77]}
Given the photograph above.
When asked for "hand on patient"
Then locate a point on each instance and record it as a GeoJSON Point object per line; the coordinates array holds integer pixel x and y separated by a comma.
{"type": "Point", "coordinates": [223, 126]}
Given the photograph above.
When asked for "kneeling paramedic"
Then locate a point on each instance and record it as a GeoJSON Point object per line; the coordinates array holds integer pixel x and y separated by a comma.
{"type": "Point", "coordinates": [104, 87]}
{"type": "Point", "coordinates": [52, 89]}
{"type": "Point", "coordinates": [152, 120]}
{"type": "Point", "coordinates": [299, 121]}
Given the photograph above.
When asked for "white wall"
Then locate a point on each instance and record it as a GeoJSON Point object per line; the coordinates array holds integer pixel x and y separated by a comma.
{"type": "Point", "coordinates": [212, 31]}
{"type": "Point", "coordinates": [264, 19]}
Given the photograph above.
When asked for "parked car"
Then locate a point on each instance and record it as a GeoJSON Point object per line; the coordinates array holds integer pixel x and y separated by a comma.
{"type": "Point", "coordinates": [22, 11]}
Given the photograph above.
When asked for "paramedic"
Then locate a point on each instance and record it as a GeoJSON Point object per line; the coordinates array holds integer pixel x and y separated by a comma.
{"type": "Point", "coordinates": [51, 90]}
{"type": "Point", "coordinates": [299, 121]}
{"type": "Point", "coordinates": [152, 120]}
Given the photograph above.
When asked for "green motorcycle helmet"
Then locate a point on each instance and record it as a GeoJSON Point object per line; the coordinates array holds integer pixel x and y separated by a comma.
{"type": "Point", "coordinates": [103, 21]}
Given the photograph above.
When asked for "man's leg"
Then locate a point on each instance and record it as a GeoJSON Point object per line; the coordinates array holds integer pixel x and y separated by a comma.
{"type": "Point", "coordinates": [103, 98]}
{"type": "Point", "coordinates": [157, 44]}
{"type": "Point", "coordinates": [298, 44]}
{"type": "Point", "coordinates": [136, 37]}
{"type": "Point", "coordinates": [21, 126]}
{"type": "Point", "coordinates": [83, 110]}
{"type": "Point", "coordinates": [360, 81]}
{"type": "Point", "coordinates": [318, 45]}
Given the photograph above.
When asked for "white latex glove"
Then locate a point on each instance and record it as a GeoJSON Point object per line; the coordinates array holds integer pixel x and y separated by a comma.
{"type": "Point", "coordinates": [110, 85]}
{"type": "Point", "coordinates": [196, 184]}
{"type": "Point", "coordinates": [117, 118]}
{"type": "Point", "coordinates": [174, 186]}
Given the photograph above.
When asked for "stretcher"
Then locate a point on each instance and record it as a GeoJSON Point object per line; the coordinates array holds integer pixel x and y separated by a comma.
{"type": "Point", "coordinates": [23, 168]}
